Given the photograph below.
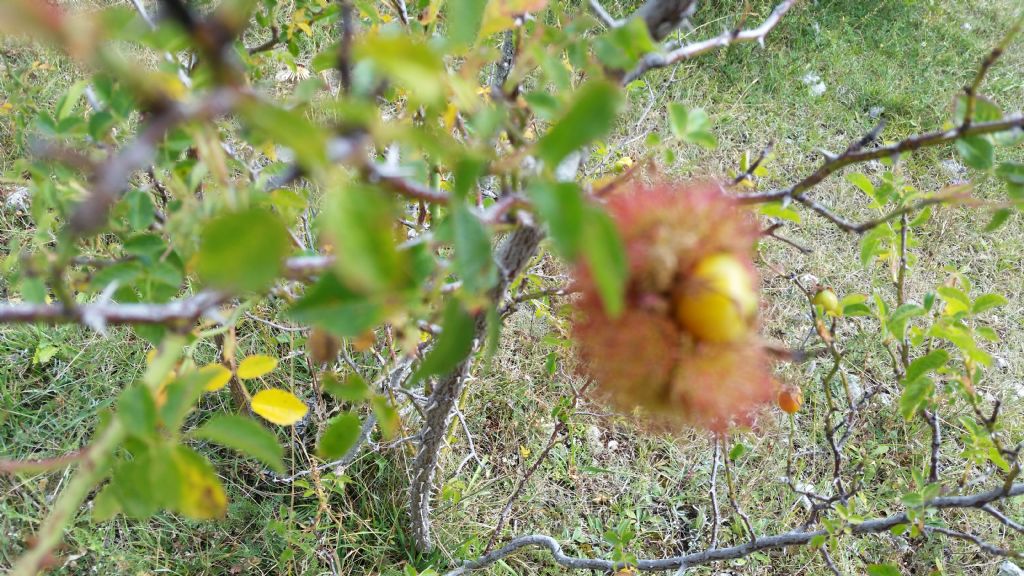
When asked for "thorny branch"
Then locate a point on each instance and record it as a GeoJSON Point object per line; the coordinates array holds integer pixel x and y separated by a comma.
{"type": "Point", "coordinates": [728, 38]}
{"type": "Point", "coordinates": [778, 541]}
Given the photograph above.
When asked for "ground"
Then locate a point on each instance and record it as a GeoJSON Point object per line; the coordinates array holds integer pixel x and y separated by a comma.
{"type": "Point", "coordinates": [824, 77]}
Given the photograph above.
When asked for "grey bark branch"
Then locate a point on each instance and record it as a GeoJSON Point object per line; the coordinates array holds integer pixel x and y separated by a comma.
{"type": "Point", "coordinates": [662, 17]}
{"type": "Point", "coordinates": [683, 53]}
{"type": "Point", "coordinates": [516, 250]}
{"type": "Point", "coordinates": [785, 540]}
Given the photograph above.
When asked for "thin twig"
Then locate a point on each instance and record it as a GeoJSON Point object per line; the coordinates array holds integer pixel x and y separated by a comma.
{"type": "Point", "coordinates": [779, 541]}
{"type": "Point", "coordinates": [683, 53]}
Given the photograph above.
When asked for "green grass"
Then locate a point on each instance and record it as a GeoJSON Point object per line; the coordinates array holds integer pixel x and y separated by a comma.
{"type": "Point", "coordinates": [907, 57]}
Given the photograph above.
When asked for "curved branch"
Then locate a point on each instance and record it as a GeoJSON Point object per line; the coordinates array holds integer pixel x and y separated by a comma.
{"type": "Point", "coordinates": [858, 155]}
{"type": "Point", "coordinates": [794, 538]}
{"type": "Point", "coordinates": [683, 53]}
{"type": "Point", "coordinates": [103, 313]}
{"type": "Point", "coordinates": [42, 464]}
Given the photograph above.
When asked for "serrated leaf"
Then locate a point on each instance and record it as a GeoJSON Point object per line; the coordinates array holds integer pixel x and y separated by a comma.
{"type": "Point", "coordinates": [857, 309]}
{"type": "Point", "coordinates": [202, 495]}
{"type": "Point", "coordinates": [1012, 172]}
{"type": "Point", "coordinates": [137, 411]}
{"type": "Point", "coordinates": [339, 436]}
{"type": "Point", "coordinates": [606, 259]}
{"type": "Point", "coordinates": [776, 210]}
{"type": "Point", "coordinates": [691, 126]}
{"type": "Point", "coordinates": [976, 151]}
{"type": "Point", "coordinates": [928, 363]}
{"type": "Point", "coordinates": [279, 406]}
{"type": "Point", "coordinates": [334, 307]}
{"type": "Point", "coordinates": [916, 393]}
{"type": "Point", "coordinates": [217, 376]}
{"type": "Point", "coordinates": [352, 389]}
{"type": "Point", "coordinates": [738, 451]}
{"type": "Point", "coordinates": [474, 261]}
{"type": "Point", "coordinates": [561, 207]}
{"type": "Point", "coordinates": [871, 242]}
{"type": "Point", "coordinates": [256, 366]}
{"type": "Point", "coordinates": [289, 128]}
{"type": "Point", "coordinates": [242, 251]}
{"type": "Point", "coordinates": [387, 416]}
{"type": "Point", "coordinates": [244, 435]}
{"type": "Point", "coordinates": [622, 47]}
{"type": "Point", "coordinates": [360, 221]}
{"type": "Point", "coordinates": [453, 344]}
{"type": "Point", "coordinates": [590, 116]}
{"type": "Point", "coordinates": [863, 183]}
{"type": "Point", "coordinates": [999, 217]}
{"type": "Point", "coordinates": [987, 302]}
{"type": "Point", "coordinates": [956, 300]}
{"type": "Point", "coordinates": [464, 20]}
{"type": "Point", "coordinates": [900, 316]}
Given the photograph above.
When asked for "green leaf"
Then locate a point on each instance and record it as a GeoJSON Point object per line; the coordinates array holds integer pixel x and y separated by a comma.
{"type": "Point", "coordinates": [1012, 172]}
{"type": "Point", "coordinates": [915, 395]}
{"type": "Point", "coordinates": [590, 116]}
{"type": "Point", "coordinates": [776, 210]}
{"type": "Point", "coordinates": [387, 416]}
{"type": "Point", "coordinates": [289, 128]}
{"type": "Point", "coordinates": [987, 302]}
{"type": "Point", "coordinates": [140, 209]}
{"type": "Point", "coordinates": [414, 65]}
{"type": "Point", "coordinates": [898, 320]}
{"type": "Point", "coordinates": [872, 244]}
{"type": "Point", "coordinates": [863, 183]}
{"type": "Point", "coordinates": [202, 495]}
{"type": "Point", "coordinates": [976, 151]}
{"type": "Point", "coordinates": [561, 206]}
{"type": "Point", "coordinates": [453, 344]}
{"type": "Point", "coordinates": [341, 434]}
{"type": "Point", "coordinates": [883, 570]}
{"type": "Point", "coordinates": [999, 217]}
{"type": "Point", "coordinates": [691, 126]}
{"type": "Point", "coordinates": [145, 484]}
{"type": "Point", "coordinates": [137, 411]}
{"type": "Point", "coordinates": [474, 261]}
{"type": "Point", "coordinates": [244, 435]}
{"type": "Point", "coordinates": [606, 259]}
{"type": "Point", "coordinates": [622, 47]}
{"type": "Point", "coordinates": [984, 110]}
{"type": "Point", "coordinates": [737, 451]}
{"type": "Point", "coordinates": [361, 220]}
{"type": "Point", "coordinates": [70, 100]}
{"type": "Point", "coordinates": [464, 20]}
{"type": "Point", "coordinates": [956, 300]}
{"type": "Point", "coordinates": [857, 309]}
{"type": "Point", "coordinates": [352, 389]}
{"type": "Point", "coordinates": [334, 307]}
{"type": "Point", "coordinates": [242, 251]}
{"type": "Point", "coordinates": [930, 362]}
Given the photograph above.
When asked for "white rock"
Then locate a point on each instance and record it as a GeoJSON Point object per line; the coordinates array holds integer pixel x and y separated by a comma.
{"type": "Point", "coordinates": [814, 84]}
{"type": "Point", "coordinates": [1009, 569]}
{"type": "Point", "coordinates": [613, 445]}
{"type": "Point", "coordinates": [594, 439]}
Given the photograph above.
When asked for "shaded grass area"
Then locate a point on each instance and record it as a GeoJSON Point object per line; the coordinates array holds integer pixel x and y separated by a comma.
{"type": "Point", "coordinates": [903, 57]}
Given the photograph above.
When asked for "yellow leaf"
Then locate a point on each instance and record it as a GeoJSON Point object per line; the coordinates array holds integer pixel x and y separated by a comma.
{"type": "Point", "coordinates": [218, 375]}
{"type": "Point", "coordinates": [524, 452]}
{"type": "Point", "coordinates": [279, 406]}
{"type": "Point", "coordinates": [256, 366]}
{"type": "Point", "coordinates": [202, 495]}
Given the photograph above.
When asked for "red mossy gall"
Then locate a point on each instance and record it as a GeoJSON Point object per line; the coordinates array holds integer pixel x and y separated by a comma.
{"type": "Point", "coordinates": [686, 348]}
